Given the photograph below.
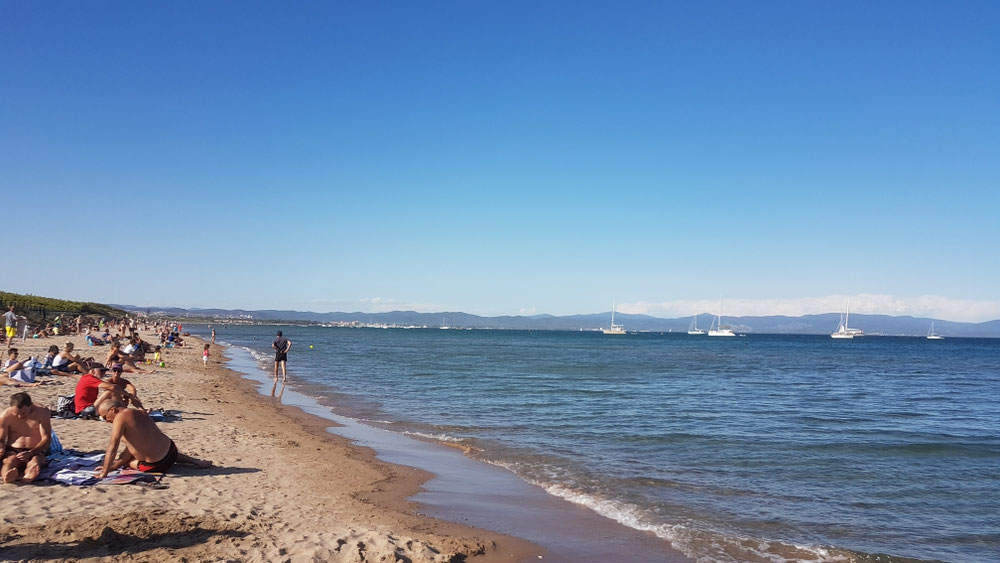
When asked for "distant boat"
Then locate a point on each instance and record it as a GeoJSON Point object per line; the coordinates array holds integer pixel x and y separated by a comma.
{"type": "Point", "coordinates": [931, 335]}
{"type": "Point", "coordinates": [693, 329]}
{"type": "Point", "coordinates": [843, 330]}
{"type": "Point", "coordinates": [615, 329]}
{"type": "Point", "coordinates": [716, 328]}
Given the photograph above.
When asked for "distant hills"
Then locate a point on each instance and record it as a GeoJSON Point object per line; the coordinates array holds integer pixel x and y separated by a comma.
{"type": "Point", "coordinates": [808, 324]}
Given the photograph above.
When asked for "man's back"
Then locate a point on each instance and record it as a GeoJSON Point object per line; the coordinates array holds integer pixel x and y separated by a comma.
{"type": "Point", "coordinates": [280, 344]}
{"type": "Point", "coordinates": [144, 438]}
{"type": "Point", "coordinates": [86, 391]}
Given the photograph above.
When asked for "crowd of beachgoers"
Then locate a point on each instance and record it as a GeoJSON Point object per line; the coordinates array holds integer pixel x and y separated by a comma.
{"type": "Point", "coordinates": [101, 392]}
{"type": "Point", "coordinates": [78, 389]}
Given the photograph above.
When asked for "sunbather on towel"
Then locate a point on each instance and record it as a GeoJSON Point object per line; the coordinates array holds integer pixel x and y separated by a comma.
{"type": "Point", "coordinates": [67, 361]}
{"type": "Point", "coordinates": [50, 359]}
{"type": "Point", "coordinates": [116, 356]}
{"type": "Point", "coordinates": [25, 433]}
{"type": "Point", "coordinates": [146, 447]}
{"type": "Point", "coordinates": [14, 372]}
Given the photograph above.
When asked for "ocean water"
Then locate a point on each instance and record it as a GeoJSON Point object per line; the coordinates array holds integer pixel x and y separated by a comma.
{"type": "Point", "coordinates": [761, 448]}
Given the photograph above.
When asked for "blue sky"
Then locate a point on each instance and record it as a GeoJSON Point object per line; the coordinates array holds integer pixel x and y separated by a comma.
{"type": "Point", "coordinates": [504, 158]}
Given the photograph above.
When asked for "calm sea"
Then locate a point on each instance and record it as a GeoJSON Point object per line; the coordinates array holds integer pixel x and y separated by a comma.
{"type": "Point", "coordinates": [757, 448]}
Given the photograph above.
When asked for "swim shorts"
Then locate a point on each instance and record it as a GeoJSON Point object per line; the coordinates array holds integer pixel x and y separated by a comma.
{"type": "Point", "coordinates": [11, 332]}
{"type": "Point", "coordinates": [280, 357]}
{"type": "Point", "coordinates": [161, 466]}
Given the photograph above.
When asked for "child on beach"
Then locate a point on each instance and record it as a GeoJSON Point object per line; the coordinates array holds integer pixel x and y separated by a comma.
{"type": "Point", "coordinates": [156, 355]}
{"type": "Point", "coordinates": [204, 355]}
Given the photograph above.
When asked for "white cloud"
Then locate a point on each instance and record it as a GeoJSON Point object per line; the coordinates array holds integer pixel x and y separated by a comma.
{"type": "Point", "coordinates": [871, 304]}
{"type": "Point", "coordinates": [527, 311]}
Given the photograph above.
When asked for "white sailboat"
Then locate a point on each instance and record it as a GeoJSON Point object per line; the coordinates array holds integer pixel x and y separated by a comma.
{"type": "Point", "coordinates": [615, 329]}
{"type": "Point", "coordinates": [843, 330]}
{"type": "Point", "coordinates": [716, 327]}
{"type": "Point", "coordinates": [931, 335]}
{"type": "Point", "coordinates": [693, 329]}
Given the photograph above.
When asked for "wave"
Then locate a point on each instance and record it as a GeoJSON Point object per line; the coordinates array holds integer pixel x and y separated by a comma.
{"type": "Point", "coordinates": [699, 544]}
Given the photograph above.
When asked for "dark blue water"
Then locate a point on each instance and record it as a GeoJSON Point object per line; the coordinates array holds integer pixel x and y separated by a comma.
{"type": "Point", "coordinates": [763, 448]}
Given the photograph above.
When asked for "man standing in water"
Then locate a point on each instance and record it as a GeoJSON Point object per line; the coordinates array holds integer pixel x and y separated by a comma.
{"type": "Point", "coordinates": [281, 346]}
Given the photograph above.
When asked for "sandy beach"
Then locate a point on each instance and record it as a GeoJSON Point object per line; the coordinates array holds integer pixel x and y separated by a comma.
{"type": "Point", "coordinates": [282, 489]}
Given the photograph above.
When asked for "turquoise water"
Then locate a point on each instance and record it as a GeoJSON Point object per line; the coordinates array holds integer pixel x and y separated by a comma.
{"type": "Point", "coordinates": [763, 448]}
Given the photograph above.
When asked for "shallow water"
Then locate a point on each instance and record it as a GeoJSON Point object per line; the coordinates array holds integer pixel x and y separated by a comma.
{"type": "Point", "coordinates": [763, 448]}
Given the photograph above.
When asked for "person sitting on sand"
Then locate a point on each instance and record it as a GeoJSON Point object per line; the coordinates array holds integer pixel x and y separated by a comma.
{"type": "Point", "coordinates": [147, 448]}
{"type": "Point", "coordinates": [47, 368]}
{"type": "Point", "coordinates": [95, 340]}
{"type": "Point", "coordinates": [116, 356]}
{"type": "Point", "coordinates": [68, 362]}
{"type": "Point", "coordinates": [87, 390]}
{"type": "Point", "coordinates": [45, 332]}
{"type": "Point", "coordinates": [25, 433]}
{"type": "Point", "coordinates": [121, 387]}
{"type": "Point", "coordinates": [14, 372]}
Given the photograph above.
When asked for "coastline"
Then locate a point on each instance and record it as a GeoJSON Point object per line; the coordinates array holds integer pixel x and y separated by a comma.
{"type": "Point", "coordinates": [283, 489]}
{"type": "Point", "coordinates": [464, 490]}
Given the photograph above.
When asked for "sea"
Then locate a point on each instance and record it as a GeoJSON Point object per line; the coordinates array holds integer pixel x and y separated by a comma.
{"type": "Point", "coordinates": [755, 448]}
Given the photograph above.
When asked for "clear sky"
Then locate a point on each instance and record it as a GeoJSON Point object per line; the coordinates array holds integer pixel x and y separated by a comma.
{"type": "Point", "coordinates": [504, 157]}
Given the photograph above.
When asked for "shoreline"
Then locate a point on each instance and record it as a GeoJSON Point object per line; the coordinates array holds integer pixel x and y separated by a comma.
{"type": "Point", "coordinates": [283, 487]}
{"type": "Point", "coordinates": [460, 489]}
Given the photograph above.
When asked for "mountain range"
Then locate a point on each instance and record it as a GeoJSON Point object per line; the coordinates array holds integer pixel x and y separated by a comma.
{"type": "Point", "coordinates": [808, 324]}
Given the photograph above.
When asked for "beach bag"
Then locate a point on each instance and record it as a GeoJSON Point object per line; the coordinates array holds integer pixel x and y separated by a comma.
{"type": "Point", "coordinates": [66, 406]}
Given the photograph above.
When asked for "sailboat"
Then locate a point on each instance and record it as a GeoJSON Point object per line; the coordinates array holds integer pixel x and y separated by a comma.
{"type": "Point", "coordinates": [693, 329]}
{"type": "Point", "coordinates": [931, 335]}
{"type": "Point", "coordinates": [843, 330]}
{"type": "Point", "coordinates": [717, 323]}
{"type": "Point", "coordinates": [615, 329]}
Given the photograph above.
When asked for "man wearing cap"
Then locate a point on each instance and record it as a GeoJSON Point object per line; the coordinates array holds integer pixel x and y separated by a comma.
{"type": "Point", "coordinates": [122, 391]}
{"type": "Point", "coordinates": [87, 390]}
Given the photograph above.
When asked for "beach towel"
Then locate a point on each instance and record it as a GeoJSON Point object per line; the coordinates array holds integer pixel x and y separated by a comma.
{"type": "Point", "coordinates": [70, 467]}
{"type": "Point", "coordinates": [27, 372]}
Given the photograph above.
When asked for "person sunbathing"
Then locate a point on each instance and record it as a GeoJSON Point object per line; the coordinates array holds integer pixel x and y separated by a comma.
{"type": "Point", "coordinates": [25, 433]}
{"type": "Point", "coordinates": [116, 356]}
{"type": "Point", "coordinates": [95, 340]}
{"type": "Point", "coordinates": [47, 368]}
{"type": "Point", "coordinates": [14, 372]}
{"type": "Point", "coordinates": [88, 388]}
{"type": "Point", "coordinates": [122, 388]}
{"type": "Point", "coordinates": [68, 362]}
{"type": "Point", "coordinates": [147, 448]}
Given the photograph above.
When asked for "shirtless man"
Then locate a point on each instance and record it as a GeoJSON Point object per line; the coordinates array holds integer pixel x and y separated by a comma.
{"type": "Point", "coordinates": [25, 433]}
{"type": "Point", "coordinates": [146, 447]}
{"type": "Point", "coordinates": [122, 388]}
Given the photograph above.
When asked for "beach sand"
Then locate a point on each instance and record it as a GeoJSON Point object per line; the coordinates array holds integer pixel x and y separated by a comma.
{"type": "Point", "coordinates": [282, 489]}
